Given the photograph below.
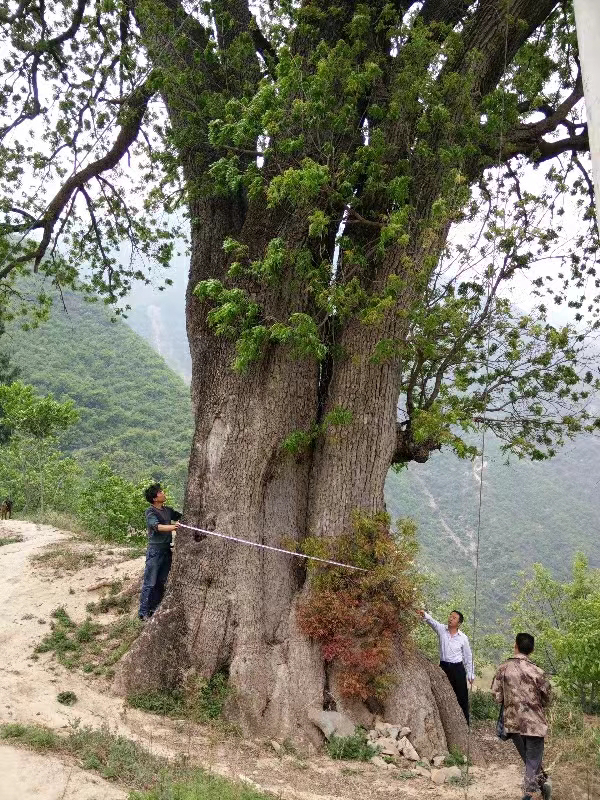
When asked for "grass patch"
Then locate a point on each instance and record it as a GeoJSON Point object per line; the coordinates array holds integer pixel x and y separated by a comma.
{"type": "Point", "coordinates": [10, 539]}
{"type": "Point", "coordinates": [200, 786]}
{"type": "Point", "coordinates": [121, 604]}
{"type": "Point", "coordinates": [351, 748]}
{"type": "Point", "coordinates": [61, 557]}
{"type": "Point", "coordinates": [202, 701]}
{"type": "Point", "coordinates": [455, 758]}
{"type": "Point", "coordinates": [33, 736]}
{"type": "Point", "coordinates": [93, 648]}
{"type": "Point", "coordinates": [118, 759]}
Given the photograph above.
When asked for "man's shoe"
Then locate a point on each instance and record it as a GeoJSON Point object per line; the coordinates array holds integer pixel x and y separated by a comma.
{"type": "Point", "coordinates": [547, 789]}
{"type": "Point", "coordinates": [143, 617]}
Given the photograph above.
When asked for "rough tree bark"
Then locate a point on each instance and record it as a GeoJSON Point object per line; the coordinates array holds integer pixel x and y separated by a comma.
{"type": "Point", "coordinates": [232, 608]}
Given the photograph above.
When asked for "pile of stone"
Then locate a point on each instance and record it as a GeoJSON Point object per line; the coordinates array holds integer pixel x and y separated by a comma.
{"type": "Point", "coordinates": [393, 745]}
{"type": "Point", "coordinates": [392, 740]}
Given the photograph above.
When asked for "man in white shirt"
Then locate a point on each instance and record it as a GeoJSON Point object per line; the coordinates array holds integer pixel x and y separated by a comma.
{"type": "Point", "coordinates": [456, 658]}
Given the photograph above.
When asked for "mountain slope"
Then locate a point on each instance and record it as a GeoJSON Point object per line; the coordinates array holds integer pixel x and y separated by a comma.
{"type": "Point", "coordinates": [135, 411]}
{"type": "Point", "coordinates": [531, 512]}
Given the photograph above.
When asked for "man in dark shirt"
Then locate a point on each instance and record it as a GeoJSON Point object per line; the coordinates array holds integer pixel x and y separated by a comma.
{"type": "Point", "coordinates": [159, 521]}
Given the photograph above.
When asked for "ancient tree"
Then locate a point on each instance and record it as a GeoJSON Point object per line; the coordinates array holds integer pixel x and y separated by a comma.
{"type": "Point", "coordinates": [322, 153]}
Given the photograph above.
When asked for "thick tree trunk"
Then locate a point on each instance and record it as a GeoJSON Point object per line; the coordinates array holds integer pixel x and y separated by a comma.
{"type": "Point", "coordinates": [231, 607]}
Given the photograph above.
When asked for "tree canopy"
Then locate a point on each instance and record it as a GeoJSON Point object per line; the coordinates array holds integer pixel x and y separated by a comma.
{"type": "Point", "coordinates": [378, 127]}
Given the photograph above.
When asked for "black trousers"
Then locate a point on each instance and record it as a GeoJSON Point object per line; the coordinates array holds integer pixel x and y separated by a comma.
{"type": "Point", "coordinates": [458, 680]}
{"type": "Point", "coordinates": [531, 750]}
{"type": "Point", "coordinates": [156, 572]}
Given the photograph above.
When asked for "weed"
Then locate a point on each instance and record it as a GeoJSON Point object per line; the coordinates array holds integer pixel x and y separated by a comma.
{"type": "Point", "coordinates": [351, 748]}
{"type": "Point", "coordinates": [483, 706]}
{"type": "Point", "coordinates": [349, 771]}
{"type": "Point", "coordinates": [33, 736]}
{"type": "Point", "coordinates": [201, 701]}
{"type": "Point", "coordinates": [455, 758]}
{"type": "Point", "coordinates": [167, 703]}
{"type": "Point", "coordinates": [10, 540]}
{"type": "Point", "coordinates": [119, 759]}
{"type": "Point", "coordinates": [90, 646]}
{"type": "Point", "coordinates": [66, 698]}
{"type": "Point", "coordinates": [462, 781]}
{"type": "Point", "coordinates": [121, 604]}
{"type": "Point", "coordinates": [63, 557]}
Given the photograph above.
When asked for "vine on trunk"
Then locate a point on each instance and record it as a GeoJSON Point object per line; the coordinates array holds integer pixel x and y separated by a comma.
{"type": "Point", "coordinates": [358, 617]}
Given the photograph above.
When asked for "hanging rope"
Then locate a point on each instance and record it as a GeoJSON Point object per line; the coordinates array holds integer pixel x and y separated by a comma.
{"type": "Point", "coordinates": [485, 394]}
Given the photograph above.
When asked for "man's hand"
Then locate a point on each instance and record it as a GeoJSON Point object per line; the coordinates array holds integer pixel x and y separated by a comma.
{"type": "Point", "coordinates": [471, 682]}
{"type": "Point", "coordinates": [420, 612]}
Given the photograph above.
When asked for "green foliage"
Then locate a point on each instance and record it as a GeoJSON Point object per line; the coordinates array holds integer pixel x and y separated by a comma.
{"type": "Point", "coordinates": [10, 540]}
{"type": "Point", "coordinates": [113, 508]}
{"type": "Point", "coordinates": [93, 648]}
{"type": "Point", "coordinates": [32, 416]}
{"type": "Point", "coordinates": [201, 700]}
{"type": "Point", "coordinates": [455, 758]}
{"type": "Point", "coordinates": [358, 616]}
{"type": "Point", "coordinates": [299, 441]}
{"type": "Point", "coordinates": [33, 736]}
{"type": "Point", "coordinates": [66, 698]}
{"type": "Point", "coordinates": [167, 703]}
{"type": "Point", "coordinates": [134, 412]}
{"type": "Point", "coordinates": [31, 466]}
{"type": "Point", "coordinates": [565, 619]}
{"type": "Point", "coordinates": [351, 748]}
{"type": "Point", "coordinates": [483, 706]}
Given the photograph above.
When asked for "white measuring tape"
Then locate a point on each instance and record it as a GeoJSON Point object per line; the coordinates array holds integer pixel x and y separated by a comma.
{"type": "Point", "coordinates": [274, 549]}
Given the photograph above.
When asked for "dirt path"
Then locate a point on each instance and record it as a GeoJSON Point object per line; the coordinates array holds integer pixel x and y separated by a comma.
{"type": "Point", "coordinates": [28, 690]}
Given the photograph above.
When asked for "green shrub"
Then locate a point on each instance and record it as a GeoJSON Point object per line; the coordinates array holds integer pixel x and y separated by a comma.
{"type": "Point", "coordinates": [166, 702]}
{"type": "Point", "coordinates": [113, 508]}
{"type": "Point", "coordinates": [66, 698]}
{"type": "Point", "coordinates": [10, 540]}
{"type": "Point", "coordinates": [34, 736]}
{"type": "Point", "coordinates": [455, 758]}
{"type": "Point", "coordinates": [202, 701]}
{"type": "Point", "coordinates": [483, 706]}
{"type": "Point", "coordinates": [351, 748]}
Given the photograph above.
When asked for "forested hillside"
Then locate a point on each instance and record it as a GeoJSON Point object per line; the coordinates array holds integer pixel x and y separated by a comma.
{"type": "Point", "coordinates": [531, 512]}
{"type": "Point", "coordinates": [135, 411]}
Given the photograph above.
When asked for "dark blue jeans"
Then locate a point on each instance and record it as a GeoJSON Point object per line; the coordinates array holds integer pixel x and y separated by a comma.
{"type": "Point", "coordinates": [156, 572]}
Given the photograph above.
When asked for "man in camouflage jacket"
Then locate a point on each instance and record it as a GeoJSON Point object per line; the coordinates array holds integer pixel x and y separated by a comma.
{"type": "Point", "coordinates": [525, 691]}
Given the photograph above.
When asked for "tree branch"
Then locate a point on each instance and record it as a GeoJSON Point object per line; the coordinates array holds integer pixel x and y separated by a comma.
{"type": "Point", "coordinates": [132, 115]}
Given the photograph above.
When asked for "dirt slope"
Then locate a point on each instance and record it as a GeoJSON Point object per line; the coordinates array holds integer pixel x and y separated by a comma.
{"type": "Point", "coordinates": [28, 595]}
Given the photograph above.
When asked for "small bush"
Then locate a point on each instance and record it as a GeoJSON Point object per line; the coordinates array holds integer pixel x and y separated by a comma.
{"type": "Point", "coordinates": [358, 617]}
{"type": "Point", "coordinates": [455, 758]}
{"type": "Point", "coordinates": [113, 508]}
{"type": "Point", "coordinates": [351, 748]}
{"type": "Point", "coordinates": [66, 698]}
{"type": "Point", "coordinates": [483, 706]}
